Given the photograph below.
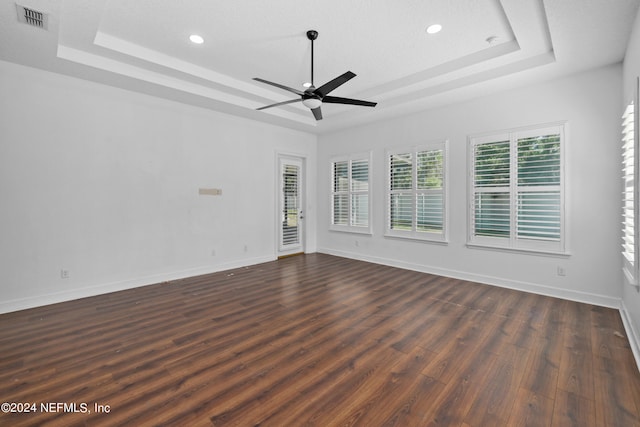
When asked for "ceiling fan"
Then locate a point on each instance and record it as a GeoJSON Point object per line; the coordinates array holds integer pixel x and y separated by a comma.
{"type": "Point", "coordinates": [313, 97]}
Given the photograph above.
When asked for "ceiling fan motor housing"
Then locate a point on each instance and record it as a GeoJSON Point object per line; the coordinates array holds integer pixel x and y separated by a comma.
{"type": "Point", "coordinates": [310, 93]}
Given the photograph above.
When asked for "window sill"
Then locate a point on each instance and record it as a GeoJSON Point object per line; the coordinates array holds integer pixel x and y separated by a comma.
{"type": "Point", "coordinates": [426, 239]}
{"type": "Point", "coordinates": [352, 230]}
{"type": "Point", "coordinates": [541, 252]}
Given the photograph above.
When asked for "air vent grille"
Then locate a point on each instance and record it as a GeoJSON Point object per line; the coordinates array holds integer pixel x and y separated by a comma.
{"type": "Point", "coordinates": [32, 17]}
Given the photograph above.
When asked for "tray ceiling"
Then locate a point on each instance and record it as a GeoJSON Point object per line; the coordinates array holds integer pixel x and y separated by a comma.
{"type": "Point", "coordinates": [484, 45]}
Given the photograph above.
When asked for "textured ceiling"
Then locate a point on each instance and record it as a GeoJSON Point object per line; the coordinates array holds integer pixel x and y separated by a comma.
{"type": "Point", "coordinates": [143, 45]}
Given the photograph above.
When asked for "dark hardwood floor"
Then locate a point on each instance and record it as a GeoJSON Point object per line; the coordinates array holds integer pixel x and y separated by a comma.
{"type": "Point", "coordinates": [317, 340]}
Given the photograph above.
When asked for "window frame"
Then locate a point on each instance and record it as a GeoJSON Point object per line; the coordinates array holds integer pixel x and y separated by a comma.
{"type": "Point", "coordinates": [350, 192]}
{"type": "Point", "coordinates": [414, 233]}
{"type": "Point", "coordinates": [514, 242]}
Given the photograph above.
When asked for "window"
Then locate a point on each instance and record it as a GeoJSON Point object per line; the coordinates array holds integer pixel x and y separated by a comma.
{"type": "Point", "coordinates": [517, 190]}
{"type": "Point", "coordinates": [350, 201]}
{"type": "Point", "coordinates": [416, 198]}
{"type": "Point", "coordinates": [629, 202]}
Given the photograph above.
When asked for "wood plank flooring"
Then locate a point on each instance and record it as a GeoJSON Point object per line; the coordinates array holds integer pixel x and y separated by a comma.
{"type": "Point", "coordinates": [318, 340]}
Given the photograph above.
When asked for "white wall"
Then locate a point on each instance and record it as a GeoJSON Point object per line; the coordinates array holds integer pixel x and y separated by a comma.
{"type": "Point", "coordinates": [104, 183]}
{"type": "Point", "coordinates": [590, 103]}
{"type": "Point", "coordinates": [630, 294]}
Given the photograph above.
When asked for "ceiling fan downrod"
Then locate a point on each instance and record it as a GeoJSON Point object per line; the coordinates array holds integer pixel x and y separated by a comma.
{"type": "Point", "coordinates": [312, 35]}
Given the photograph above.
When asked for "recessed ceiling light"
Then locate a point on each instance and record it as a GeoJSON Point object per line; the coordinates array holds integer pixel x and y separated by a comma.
{"type": "Point", "coordinates": [306, 84]}
{"type": "Point", "coordinates": [196, 39]}
{"type": "Point", "coordinates": [435, 28]}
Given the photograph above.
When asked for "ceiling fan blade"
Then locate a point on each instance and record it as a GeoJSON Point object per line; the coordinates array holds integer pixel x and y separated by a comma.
{"type": "Point", "coordinates": [329, 86]}
{"type": "Point", "coordinates": [338, 100]}
{"type": "Point", "coordinates": [317, 113]}
{"type": "Point", "coordinates": [291, 101]}
{"type": "Point", "coordinates": [290, 89]}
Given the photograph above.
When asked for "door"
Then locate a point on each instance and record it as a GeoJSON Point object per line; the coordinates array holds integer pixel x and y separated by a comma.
{"type": "Point", "coordinates": [290, 215]}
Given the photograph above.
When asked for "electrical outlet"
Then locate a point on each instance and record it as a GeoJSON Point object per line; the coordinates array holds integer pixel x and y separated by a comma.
{"type": "Point", "coordinates": [246, 248]}
{"type": "Point", "coordinates": [213, 252]}
{"type": "Point", "coordinates": [561, 271]}
{"type": "Point", "coordinates": [64, 274]}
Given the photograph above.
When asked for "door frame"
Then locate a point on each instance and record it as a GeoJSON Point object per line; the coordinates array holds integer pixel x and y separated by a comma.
{"type": "Point", "coordinates": [301, 160]}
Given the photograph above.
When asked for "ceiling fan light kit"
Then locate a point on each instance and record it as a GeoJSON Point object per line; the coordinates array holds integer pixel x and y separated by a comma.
{"type": "Point", "coordinates": [313, 97]}
{"type": "Point", "coordinates": [312, 103]}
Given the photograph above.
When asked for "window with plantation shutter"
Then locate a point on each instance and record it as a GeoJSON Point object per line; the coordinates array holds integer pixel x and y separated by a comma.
{"type": "Point", "coordinates": [416, 197]}
{"type": "Point", "coordinates": [629, 199]}
{"type": "Point", "coordinates": [517, 194]}
{"type": "Point", "coordinates": [350, 201]}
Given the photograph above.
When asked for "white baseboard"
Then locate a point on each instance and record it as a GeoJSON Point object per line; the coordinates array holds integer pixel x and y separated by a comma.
{"type": "Point", "coordinates": [585, 297]}
{"type": "Point", "coordinates": [105, 288]}
{"type": "Point", "coordinates": [632, 333]}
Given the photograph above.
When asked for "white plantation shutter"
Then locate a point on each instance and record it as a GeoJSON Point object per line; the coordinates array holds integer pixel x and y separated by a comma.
{"type": "Point", "coordinates": [416, 201]}
{"type": "Point", "coordinates": [430, 191]}
{"type": "Point", "coordinates": [401, 178]}
{"type": "Point", "coordinates": [629, 199]}
{"type": "Point", "coordinates": [539, 198]}
{"type": "Point", "coordinates": [341, 193]}
{"type": "Point", "coordinates": [517, 198]}
{"type": "Point", "coordinates": [350, 202]}
{"type": "Point", "coordinates": [290, 229]}
{"type": "Point", "coordinates": [492, 188]}
{"type": "Point", "coordinates": [360, 193]}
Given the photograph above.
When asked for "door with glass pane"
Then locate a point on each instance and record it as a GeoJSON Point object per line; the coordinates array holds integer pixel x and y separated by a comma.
{"type": "Point", "coordinates": [290, 216]}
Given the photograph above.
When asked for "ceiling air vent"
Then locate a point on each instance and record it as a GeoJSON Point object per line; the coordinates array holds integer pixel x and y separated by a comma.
{"type": "Point", "coordinates": [32, 17]}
